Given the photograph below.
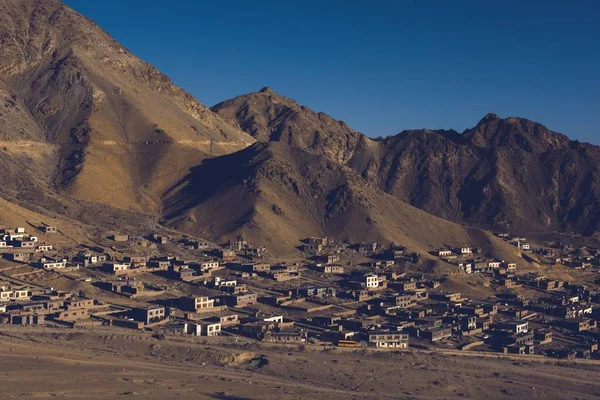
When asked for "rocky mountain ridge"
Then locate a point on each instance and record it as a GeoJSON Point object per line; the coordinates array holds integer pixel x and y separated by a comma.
{"type": "Point", "coordinates": [505, 173]}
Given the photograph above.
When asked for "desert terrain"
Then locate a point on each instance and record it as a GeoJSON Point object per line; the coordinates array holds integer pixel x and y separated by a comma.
{"type": "Point", "coordinates": [109, 364]}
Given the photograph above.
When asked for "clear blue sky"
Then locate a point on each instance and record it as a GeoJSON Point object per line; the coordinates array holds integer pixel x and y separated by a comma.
{"type": "Point", "coordinates": [381, 66]}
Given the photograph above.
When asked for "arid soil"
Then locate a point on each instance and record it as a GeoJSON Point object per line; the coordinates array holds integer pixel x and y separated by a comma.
{"type": "Point", "coordinates": [99, 364]}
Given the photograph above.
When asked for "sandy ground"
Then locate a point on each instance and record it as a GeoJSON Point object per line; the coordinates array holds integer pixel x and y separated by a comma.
{"type": "Point", "coordinates": [109, 364]}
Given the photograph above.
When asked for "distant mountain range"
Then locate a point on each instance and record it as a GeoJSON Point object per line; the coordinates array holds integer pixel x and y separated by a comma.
{"type": "Point", "coordinates": [85, 123]}
{"type": "Point", "coordinates": [511, 174]}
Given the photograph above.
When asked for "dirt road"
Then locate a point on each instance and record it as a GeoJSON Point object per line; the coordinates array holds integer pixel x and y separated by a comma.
{"type": "Point", "coordinates": [111, 364]}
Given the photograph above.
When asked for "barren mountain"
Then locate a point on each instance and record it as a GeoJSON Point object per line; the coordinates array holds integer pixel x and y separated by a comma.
{"type": "Point", "coordinates": [276, 194]}
{"type": "Point", "coordinates": [505, 173]}
{"type": "Point", "coordinates": [85, 125]}
{"type": "Point", "coordinates": [81, 114]}
{"type": "Point", "coordinates": [509, 173]}
{"type": "Point", "coordinates": [268, 116]}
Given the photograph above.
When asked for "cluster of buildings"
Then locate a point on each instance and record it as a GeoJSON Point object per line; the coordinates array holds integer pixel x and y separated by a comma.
{"type": "Point", "coordinates": [346, 295]}
{"type": "Point", "coordinates": [517, 241]}
{"type": "Point", "coordinates": [575, 258]}
{"type": "Point", "coordinates": [470, 261]}
{"type": "Point", "coordinates": [19, 246]}
{"type": "Point", "coordinates": [29, 305]}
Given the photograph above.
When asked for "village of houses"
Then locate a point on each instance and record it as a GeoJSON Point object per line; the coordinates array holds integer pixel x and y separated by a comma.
{"type": "Point", "coordinates": [336, 294]}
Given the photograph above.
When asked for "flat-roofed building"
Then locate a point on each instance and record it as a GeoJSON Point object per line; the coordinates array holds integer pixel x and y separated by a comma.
{"type": "Point", "coordinates": [388, 340]}
{"type": "Point", "coordinates": [149, 314]}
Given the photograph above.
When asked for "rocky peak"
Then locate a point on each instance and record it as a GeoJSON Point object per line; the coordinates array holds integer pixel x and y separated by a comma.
{"type": "Point", "coordinates": [266, 89]}
{"type": "Point", "coordinates": [489, 117]}
{"type": "Point", "coordinates": [514, 132]}
{"type": "Point", "coordinates": [270, 117]}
